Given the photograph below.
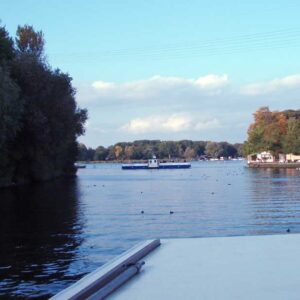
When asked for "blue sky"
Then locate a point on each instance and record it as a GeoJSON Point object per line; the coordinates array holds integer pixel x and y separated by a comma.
{"type": "Point", "coordinates": [170, 69]}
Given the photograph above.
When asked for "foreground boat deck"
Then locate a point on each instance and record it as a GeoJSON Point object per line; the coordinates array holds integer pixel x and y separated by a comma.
{"type": "Point", "coordinates": [253, 267]}
{"type": "Point", "coordinates": [246, 267]}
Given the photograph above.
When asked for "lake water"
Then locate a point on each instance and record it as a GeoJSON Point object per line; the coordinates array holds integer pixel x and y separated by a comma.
{"type": "Point", "coordinates": [54, 233]}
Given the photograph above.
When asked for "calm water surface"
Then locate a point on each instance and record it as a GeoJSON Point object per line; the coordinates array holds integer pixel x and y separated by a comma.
{"type": "Point", "coordinates": [54, 233]}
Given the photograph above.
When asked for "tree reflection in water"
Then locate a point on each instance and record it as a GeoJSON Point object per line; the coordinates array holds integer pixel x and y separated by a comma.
{"type": "Point", "coordinates": [40, 231]}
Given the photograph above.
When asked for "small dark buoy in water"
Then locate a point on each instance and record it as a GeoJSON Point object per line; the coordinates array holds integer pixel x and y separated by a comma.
{"type": "Point", "coordinates": [212, 193]}
{"type": "Point", "coordinates": [288, 230]}
{"type": "Point", "coordinates": [171, 212]}
{"type": "Point", "coordinates": [142, 212]}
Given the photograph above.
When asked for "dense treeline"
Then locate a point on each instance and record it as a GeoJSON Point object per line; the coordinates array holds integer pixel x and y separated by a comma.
{"type": "Point", "coordinates": [144, 149]}
{"type": "Point", "coordinates": [275, 131]}
{"type": "Point", "coordinates": [39, 118]}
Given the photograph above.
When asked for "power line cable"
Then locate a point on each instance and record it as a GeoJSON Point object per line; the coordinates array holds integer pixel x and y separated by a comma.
{"type": "Point", "coordinates": [268, 40]}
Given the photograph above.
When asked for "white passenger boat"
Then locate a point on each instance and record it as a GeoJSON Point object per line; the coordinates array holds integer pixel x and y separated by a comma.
{"type": "Point", "coordinates": [154, 163]}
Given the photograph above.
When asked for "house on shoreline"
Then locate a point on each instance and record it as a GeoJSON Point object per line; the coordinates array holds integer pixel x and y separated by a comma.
{"type": "Point", "coordinates": [262, 157]}
{"type": "Point", "coordinates": [268, 157]}
{"type": "Point", "coordinates": [292, 158]}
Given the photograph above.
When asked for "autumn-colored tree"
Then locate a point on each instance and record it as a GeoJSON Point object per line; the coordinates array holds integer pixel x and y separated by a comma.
{"type": "Point", "coordinates": [30, 41]}
{"type": "Point", "coordinates": [189, 153]}
{"type": "Point", "coordinates": [118, 151]}
{"type": "Point", "coordinates": [128, 152]}
{"type": "Point", "coordinates": [267, 132]}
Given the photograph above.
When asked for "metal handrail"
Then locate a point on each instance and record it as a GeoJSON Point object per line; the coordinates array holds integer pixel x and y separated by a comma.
{"type": "Point", "coordinates": [92, 283]}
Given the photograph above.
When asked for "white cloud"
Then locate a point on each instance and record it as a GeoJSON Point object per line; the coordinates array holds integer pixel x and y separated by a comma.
{"type": "Point", "coordinates": [101, 85]}
{"type": "Point", "coordinates": [207, 124]}
{"type": "Point", "coordinates": [213, 81]}
{"type": "Point", "coordinates": [173, 123]}
{"type": "Point", "coordinates": [166, 107]}
{"type": "Point", "coordinates": [176, 123]}
{"type": "Point", "coordinates": [139, 125]}
{"type": "Point", "coordinates": [275, 85]}
{"type": "Point", "coordinates": [157, 85]}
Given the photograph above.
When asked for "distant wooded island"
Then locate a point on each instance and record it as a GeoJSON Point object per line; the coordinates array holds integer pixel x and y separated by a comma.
{"type": "Point", "coordinates": [277, 132]}
{"type": "Point", "coordinates": [145, 149]}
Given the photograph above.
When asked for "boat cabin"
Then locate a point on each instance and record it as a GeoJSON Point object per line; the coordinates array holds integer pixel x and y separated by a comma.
{"type": "Point", "coordinates": [153, 163]}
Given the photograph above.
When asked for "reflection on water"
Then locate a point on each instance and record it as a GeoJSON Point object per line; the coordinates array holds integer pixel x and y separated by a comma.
{"type": "Point", "coordinates": [52, 234]}
{"type": "Point", "coordinates": [276, 199]}
{"type": "Point", "coordinates": [40, 230]}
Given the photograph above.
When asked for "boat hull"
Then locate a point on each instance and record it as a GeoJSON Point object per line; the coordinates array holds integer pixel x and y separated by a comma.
{"type": "Point", "coordinates": [160, 166]}
{"type": "Point", "coordinates": [175, 166]}
{"type": "Point", "coordinates": [135, 167]}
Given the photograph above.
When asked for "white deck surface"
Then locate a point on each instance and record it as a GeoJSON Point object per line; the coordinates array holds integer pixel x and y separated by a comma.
{"type": "Point", "coordinates": [255, 267]}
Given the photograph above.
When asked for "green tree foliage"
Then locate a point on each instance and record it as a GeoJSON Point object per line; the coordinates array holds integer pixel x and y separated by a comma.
{"type": "Point", "coordinates": [145, 149]}
{"type": "Point", "coordinates": [7, 51]}
{"type": "Point", "coordinates": [82, 152]}
{"type": "Point", "coordinates": [222, 149]}
{"type": "Point", "coordinates": [239, 149]}
{"type": "Point", "coordinates": [274, 131]}
{"type": "Point", "coordinates": [11, 108]}
{"type": "Point", "coordinates": [101, 153]}
{"type": "Point", "coordinates": [213, 149]}
{"type": "Point", "coordinates": [199, 148]}
{"type": "Point", "coordinates": [291, 143]}
{"type": "Point", "coordinates": [38, 106]}
{"type": "Point", "coordinates": [86, 154]}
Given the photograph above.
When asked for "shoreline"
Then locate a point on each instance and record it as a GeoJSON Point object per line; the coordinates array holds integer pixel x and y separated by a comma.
{"type": "Point", "coordinates": [274, 165]}
{"type": "Point", "coordinates": [145, 160]}
{"type": "Point", "coordinates": [125, 161]}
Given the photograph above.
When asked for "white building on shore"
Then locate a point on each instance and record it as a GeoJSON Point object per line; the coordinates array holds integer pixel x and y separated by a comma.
{"type": "Point", "coordinates": [292, 158]}
{"type": "Point", "coordinates": [268, 157]}
{"type": "Point", "coordinates": [265, 157]}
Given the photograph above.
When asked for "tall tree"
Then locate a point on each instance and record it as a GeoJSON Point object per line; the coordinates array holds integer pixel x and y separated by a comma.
{"type": "Point", "coordinates": [11, 109]}
{"type": "Point", "coordinates": [292, 138]}
{"type": "Point", "coordinates": [39, 117]}
{"type": "Point", "coordinates": [7, 51]}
